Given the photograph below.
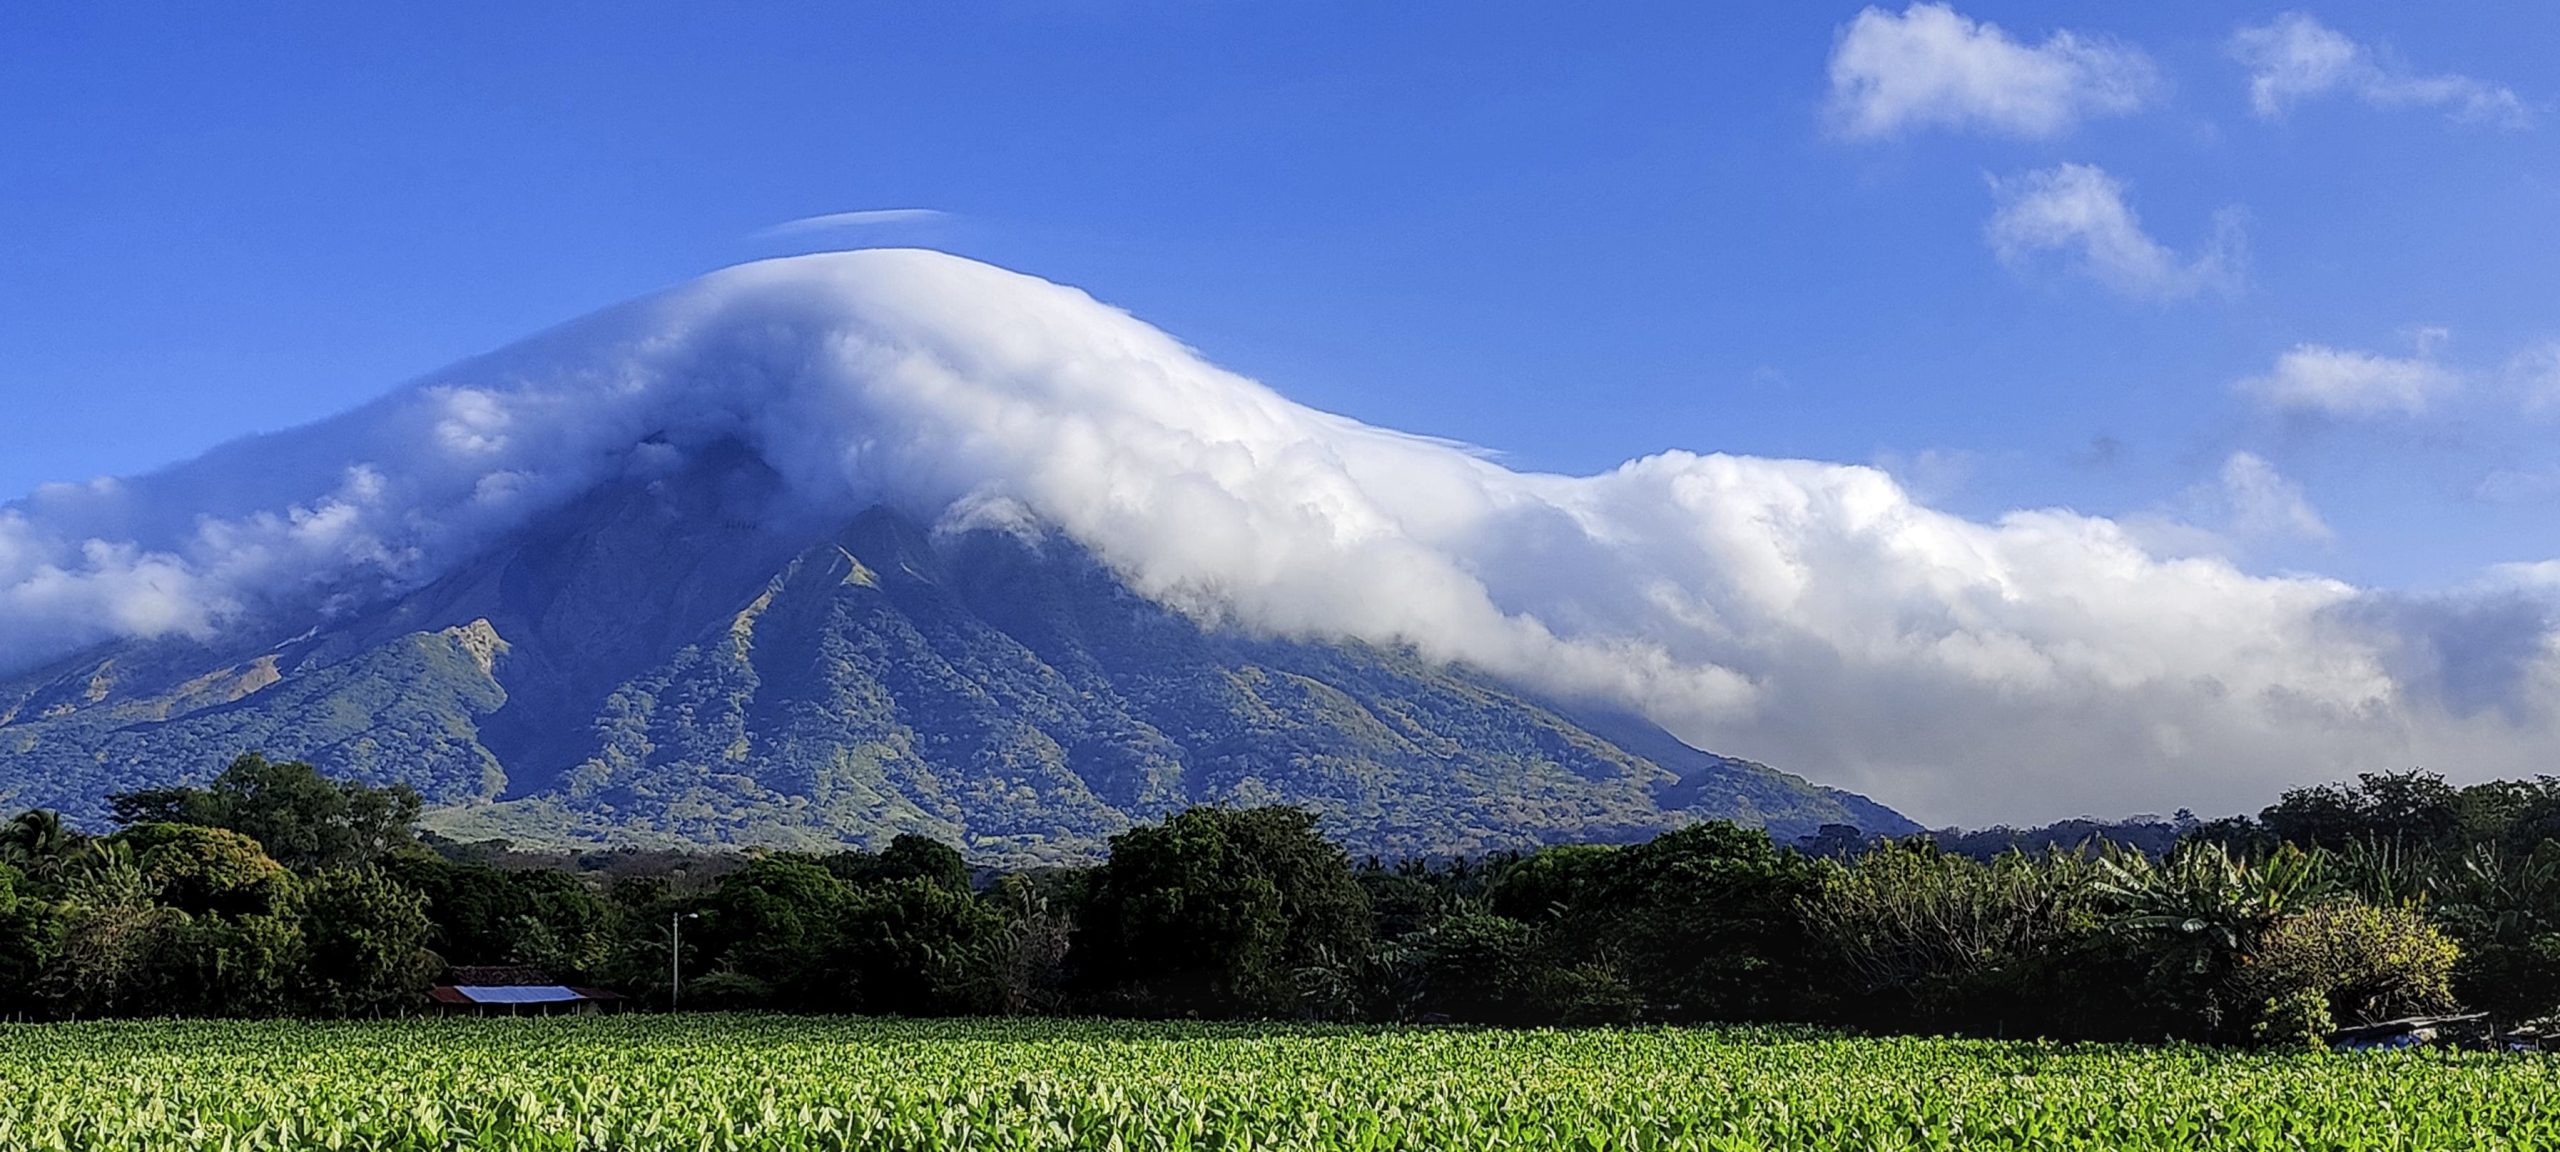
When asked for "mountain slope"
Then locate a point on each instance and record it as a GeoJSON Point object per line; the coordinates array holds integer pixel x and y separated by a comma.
{"type": "Point", "coordinates": [686, 658]}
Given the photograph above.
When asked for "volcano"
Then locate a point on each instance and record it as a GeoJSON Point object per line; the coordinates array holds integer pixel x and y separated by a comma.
{"type": "Point", "coordinates": [819, 551]}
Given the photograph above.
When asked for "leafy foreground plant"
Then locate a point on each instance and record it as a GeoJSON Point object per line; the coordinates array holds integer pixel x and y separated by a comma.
{"type": "Point", "coordinates": [795, 1084]}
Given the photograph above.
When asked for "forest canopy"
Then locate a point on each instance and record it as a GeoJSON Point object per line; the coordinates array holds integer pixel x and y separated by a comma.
{"type": "Point", "coordinates": [273, 890]}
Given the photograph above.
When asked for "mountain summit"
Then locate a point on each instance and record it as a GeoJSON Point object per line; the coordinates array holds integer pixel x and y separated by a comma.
{"type": "Point", "coordinates": [845, 545]}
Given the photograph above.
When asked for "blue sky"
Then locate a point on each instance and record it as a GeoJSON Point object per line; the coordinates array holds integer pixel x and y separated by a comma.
{"type": "Point", "coordinates": [1572, 233]}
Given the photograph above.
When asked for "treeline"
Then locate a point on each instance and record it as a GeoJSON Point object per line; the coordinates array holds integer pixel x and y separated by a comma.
{"type": "Point", "coordinates": [273, 890]}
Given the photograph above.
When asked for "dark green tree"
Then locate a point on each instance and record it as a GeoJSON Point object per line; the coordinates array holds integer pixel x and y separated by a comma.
{"type": "Point", "coordinates": [364, 938]}
{"type": "Point", "coordinates": [2504, 910]}
{"type": "Point", "coordinates": [550, 918]}
{"type": "Point", "coordinates": [1221, 912]}
{"type": "Point", "coordinates": [113, 934]}
{"type": "Point", "coordinates": [1708, 924]}
{"type": "Point", "coordinates": [223, 965]}
{"type": "Point", "coordinates": [30, 936]}
{"type": "Point", "coordinates": [777, 921]}
{"type": "Point", "coordinates": [562, 925]}
{"type": "Point", "coordinates": [305, 820]}
{"type": "Point", "coordinates": [39, 844]}
{"type": "Point", "coordinates": [471, 908]}
{"type": "Point", "coordinates": [2414, 808]}
{"type": "Point", "coordinates": [1554, 882]}
{"type": "Point", "coordinates": [913, 947]}
{"type": "Point", "coordinates": [1475, 967]}
{"type": "Point", "coordinates": [206, 871]}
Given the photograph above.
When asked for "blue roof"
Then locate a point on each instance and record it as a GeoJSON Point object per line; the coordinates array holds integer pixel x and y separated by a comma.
{"type": "Point", "coordinates": [519, 993]}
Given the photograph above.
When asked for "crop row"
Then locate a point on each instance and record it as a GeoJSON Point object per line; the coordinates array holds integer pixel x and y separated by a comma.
{"type": "Point", "coordinates": [785, 1084]}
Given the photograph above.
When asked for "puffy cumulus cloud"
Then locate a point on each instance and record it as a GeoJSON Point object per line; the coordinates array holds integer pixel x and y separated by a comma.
{"type": "Point", "coordinates": [2297, 58]}
{"type": "Point", "coordinates": [1814, 615]}
{"type": "Point", "coordinates": [2330, 381]}
{"type": "Point", "coordinates": [1931, 67]}
{"type": "Point", "coordinates": [2078, 211]}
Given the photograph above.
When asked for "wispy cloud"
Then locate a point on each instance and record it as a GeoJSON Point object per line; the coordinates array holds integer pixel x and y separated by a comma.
{"type": "Point", "coordinates": [2298, 58]}
{"type": "Point", "coordinates": [2261, 503]}
{"type": "Point", "coordinates": [841, 221]}
{"type": "Point", "coordinates": [2519, 486]}
{"type": "Point", "coordinates": [2080, 212]}
{"type": "Point", "coordinates": [2345, 382]}
{"type": "Point", "coordinates": [1931, 67]}
{"type": "Point", "coordinates": [2534, 374]}
{"type": "Point", "coordinates": [2247, 504]}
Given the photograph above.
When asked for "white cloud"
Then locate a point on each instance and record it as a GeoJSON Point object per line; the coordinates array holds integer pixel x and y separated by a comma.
{"type": "Point", "coordinates": [2519, 486]}
{"type": "Point", "coordinates": [2079, 211]}
{"type": "Point", "coordinates": [1813, 615]}
{"type": "Point", "coordinates": [1933, 68]}
{"type": "Point", "coordinates": [2534, 374]}
{"type": "Point", "coordinates": [2297, 58]}
{"type": "Point", "coordinates": [842, 221]}
{"type": "Point", "coordinates": [1931, 473]}
{"type": "Point", "coordinates": [2343, 382]}
{"type": "Point", "coordinates": [2246, 504]}
{"type": "Point", "coordinates": [2263, 504]}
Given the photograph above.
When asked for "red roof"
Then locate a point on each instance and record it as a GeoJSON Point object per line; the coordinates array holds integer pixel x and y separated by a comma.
{"type": "Point", "coordinates": [496, 976]}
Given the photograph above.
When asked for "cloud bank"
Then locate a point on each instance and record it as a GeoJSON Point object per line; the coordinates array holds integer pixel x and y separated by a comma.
{"type": "Point", "coordinates": [1811, 614]}
{"type": "Point", "coordinates": [2079, 212]}
{"type": "Point", "coordinates": [1933, 68]}
{"type": "Point", "coordinates": [2297, 58]}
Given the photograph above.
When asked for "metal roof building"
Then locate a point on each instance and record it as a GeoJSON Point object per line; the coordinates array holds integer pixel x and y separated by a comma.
{"type": "Point", "coordinates": [515, 990]}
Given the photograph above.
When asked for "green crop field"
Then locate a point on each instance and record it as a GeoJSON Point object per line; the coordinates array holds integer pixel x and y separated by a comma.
{"type": "Point", "coordinates": [764, 1083]}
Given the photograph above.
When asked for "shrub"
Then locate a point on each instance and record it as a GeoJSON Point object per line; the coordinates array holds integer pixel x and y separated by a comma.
{"type": "Point", "coordinates": [2297, 1019]}
{"type": "Point", "coordinates": [2362, 962]}
{"type": "Point", "coordinates": [1945, 941]}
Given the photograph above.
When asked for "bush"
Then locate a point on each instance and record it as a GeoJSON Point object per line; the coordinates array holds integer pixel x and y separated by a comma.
{"type": "Point", "coordinates": [726, 992]}
{"type": "Point", "coordinates": [2298, 1019]}
{"type": "Point", "coordinates": [1593, 992]}
{"type": "Point", "coordinates": [1942, 941]}
{"type": "Point", "coordinates": [1470, 966]}
{"type": "Point", "coordinates": [2363, 963]}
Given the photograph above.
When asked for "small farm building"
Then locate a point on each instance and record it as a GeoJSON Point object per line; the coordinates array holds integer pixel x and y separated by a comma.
{"type": "Point", "coordinates": [514, 990]}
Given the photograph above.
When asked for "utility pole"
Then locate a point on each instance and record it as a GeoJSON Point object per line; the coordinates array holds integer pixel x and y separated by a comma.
{"type": "Point", "coordinates": [675, 956]}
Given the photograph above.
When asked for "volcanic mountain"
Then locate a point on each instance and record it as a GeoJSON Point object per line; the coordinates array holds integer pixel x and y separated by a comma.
{"type": "Point", "coordinates": [822, 550]}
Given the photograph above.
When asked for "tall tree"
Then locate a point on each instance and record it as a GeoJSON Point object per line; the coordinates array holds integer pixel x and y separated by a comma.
{"type": "Point", "coordinates": [112, 931]}
{"type": "Point", "coordinates": [1222, 912]}
{"type": "Point", "coordinates": [30, 935]}
{"type": "Point", "coordinates": [1710, 920]}
{"type": "Point", "coordinates": [304, 819]}
{"type": "Point", "coordinates": [37, 842]}
{"type": "Point", "coordinates": [203, 871]}
{"type": "Point", "coordinates": [364, 938]}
